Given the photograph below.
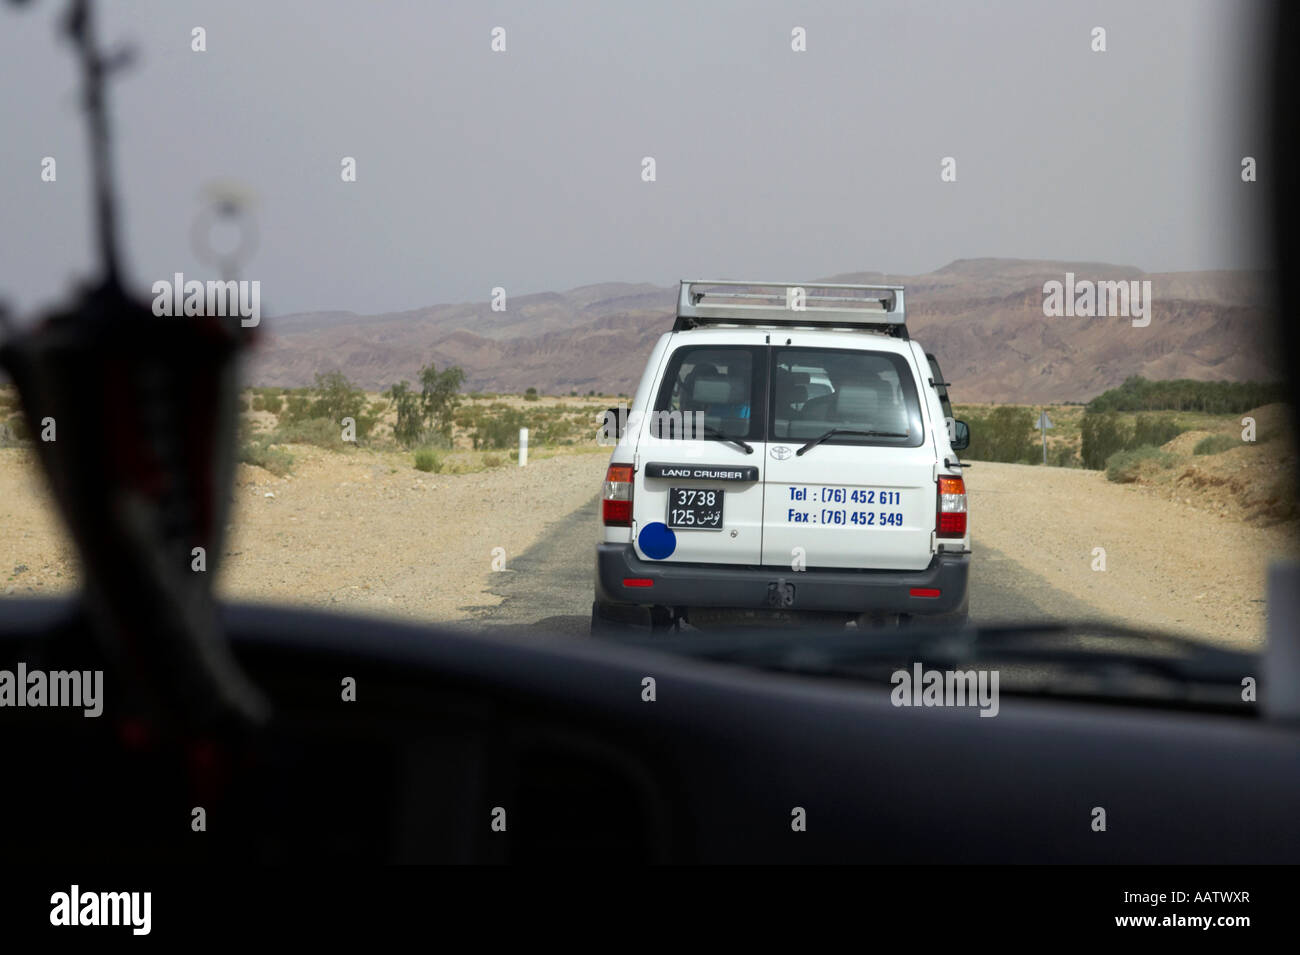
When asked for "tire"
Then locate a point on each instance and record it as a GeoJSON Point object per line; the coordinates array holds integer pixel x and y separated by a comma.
{"type": "Point", "coordinates": [613, 620]}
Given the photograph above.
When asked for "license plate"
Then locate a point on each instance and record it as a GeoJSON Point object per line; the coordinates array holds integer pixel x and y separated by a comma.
{"type": "Point", "coordinates": [693, 509]}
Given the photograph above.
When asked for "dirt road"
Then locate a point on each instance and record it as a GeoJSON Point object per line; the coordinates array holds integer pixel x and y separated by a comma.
{"type": "Point", "coordinates": [363, 533]}
{"type": "Point", "coordinates": [1049, 543]}
{"type": "Point", "coordinates": [550, 584]}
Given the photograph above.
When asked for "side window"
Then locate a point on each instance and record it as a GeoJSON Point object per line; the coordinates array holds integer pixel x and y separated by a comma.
{"type": "Point", "coordinates": [937, 374]}
{"type": "Point", "coordinates": [709, 389]}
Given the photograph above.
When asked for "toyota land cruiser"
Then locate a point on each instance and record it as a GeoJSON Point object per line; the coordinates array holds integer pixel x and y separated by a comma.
{"type": "Point", "coordinates": [786, 456]}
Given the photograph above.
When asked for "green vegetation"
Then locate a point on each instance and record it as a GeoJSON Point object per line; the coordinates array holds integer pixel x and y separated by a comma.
{"type": "Point", "coordinates": [1077, 439]}
{"type": "Point", "coordinates": [1105, 434]}
{"type": "Point", "coordinates": [410, 417]}
{"type": "Point", "coordinates": [8, 436]}
{"type": "Point", "coordinates": [1123, 467]}
{"type": "Point", "coordinates": [258, 451]}
{"type": "Point", "coordinates": [13, 426]}
{"type": "Point", "coordinates": [321, 432]}
{"type": "Point", "coordinates": [430, 414]}
{"type": "Point", "coordinates": [426, 459]}
{"type": "Point", "coordinates": [1184, 394]}
{"type": "Point", "coordinates": [1154, 430]}
{"type": "Point", "coordinates": [432, 421]}
{"type": "Point", "coordinates": [297, 408]}
{"type": "Point", "coordinates": [496, 425]}
{"type": "Point", "coordinates": [440, 396]}
{"type": "Point", "coordinates": [1216, 444]}
{"type": "Point", "coordinates": [1004, 433]}
{"type": "Point", "coordinates": [317, 416]}
{"type": "Point", "coordinates": [1063, 456]}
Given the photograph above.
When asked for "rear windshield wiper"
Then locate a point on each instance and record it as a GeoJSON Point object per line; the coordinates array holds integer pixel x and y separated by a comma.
{"type": "Point", "coordinates": [862, 434]}
{"type": "Point", "coordinates": [713, 434]}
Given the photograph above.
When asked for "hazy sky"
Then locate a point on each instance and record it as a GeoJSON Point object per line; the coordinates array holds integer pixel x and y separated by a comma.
{"type": "Point", "coordinates": [523, 169]}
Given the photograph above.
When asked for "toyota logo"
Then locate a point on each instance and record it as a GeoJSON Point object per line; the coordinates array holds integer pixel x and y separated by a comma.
{"type": "Point", "coordinates": [780, 452]}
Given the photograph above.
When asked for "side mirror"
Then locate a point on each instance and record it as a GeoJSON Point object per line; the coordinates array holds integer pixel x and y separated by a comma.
{"type": "Point", "coordinates": [960, 436]}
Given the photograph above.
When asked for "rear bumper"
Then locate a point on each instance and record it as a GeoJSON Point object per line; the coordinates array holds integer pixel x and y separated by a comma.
{"type": "Point", "coordinates": [850, 591]}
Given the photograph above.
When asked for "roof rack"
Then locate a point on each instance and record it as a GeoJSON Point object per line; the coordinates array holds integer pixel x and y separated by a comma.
{"type": "Point", "coordinates": [725, 302]}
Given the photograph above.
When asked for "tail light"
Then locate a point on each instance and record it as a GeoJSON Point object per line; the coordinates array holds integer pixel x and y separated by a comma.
{"type": "Point", "coordinates": [616, 501]}
{"type": "Point", "coordinates": [951, 516]}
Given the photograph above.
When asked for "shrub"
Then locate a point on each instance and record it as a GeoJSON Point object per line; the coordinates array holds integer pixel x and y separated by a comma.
{"type": "Point", "coordinates": [321, 432]}
{"type": "Point", "coordinates": [1103, 436]}
{"type": "Point", "coordinates": [1063, 456]}
{"type": "Point", "coordinates": [333, 399]}
{"type": "Point", "coordinates": [428, 460]}
{"type": "Point", "coordinates": [440, 396]}
{"type": "Point", "coordinates": [273, 403]}
{"type": "Point", "coordinates": [493, 461]}
{"type": "Point", "coordinates": [498, 427]}
{"type": "Point", "coordinates": [1004, 434]}
{"type": "Point", "coordinates": [530, 394]}
{"type": "Point", "coordinates": [338, 398]}
{"type": "Point", "coordinates": [1216, 444]}
{"type": "Point", "coordinates": [429, 413]}
{"type": "Point", "coordinates": [13, 432]}
{"type": "Point", "coordinates": [1154, 430]}
{"type": "Point", "coordinates": [410, 416]}
{"type": "Point", "coordinates": [298, 408]}
{"type": "Point", "coordinates": [258, 452]}
{"type": "Point", "coordinates": [259, 403]}
{"type": "Point", "coordinates": [1124, 467]}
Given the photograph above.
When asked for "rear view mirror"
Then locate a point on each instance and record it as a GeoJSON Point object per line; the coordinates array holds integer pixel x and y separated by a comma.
{"type": "Point", "coordinates": [960, 436]}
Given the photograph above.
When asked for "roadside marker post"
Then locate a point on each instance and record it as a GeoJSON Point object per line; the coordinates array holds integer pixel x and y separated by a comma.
{"type": "Point", "coordinates": [523, 446]}
{"type": "Point", "coordinates": [1044, 423]}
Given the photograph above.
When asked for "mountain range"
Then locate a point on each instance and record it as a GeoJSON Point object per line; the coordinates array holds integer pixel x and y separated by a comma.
{"type": "Point", "coordinates": [983, 318]}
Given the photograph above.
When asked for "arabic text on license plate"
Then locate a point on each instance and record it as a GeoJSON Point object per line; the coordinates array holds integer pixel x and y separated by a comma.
{"type": "Point", "coordinates": [694, 509]}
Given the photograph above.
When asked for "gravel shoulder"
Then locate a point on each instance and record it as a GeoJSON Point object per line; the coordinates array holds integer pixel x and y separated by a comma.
{"type": "Point", "coordinates": [352, 532]}
{"type": "Point", "coordinates": [1169, 565]}
{"type": "Point", "coordinates": [360, 531]}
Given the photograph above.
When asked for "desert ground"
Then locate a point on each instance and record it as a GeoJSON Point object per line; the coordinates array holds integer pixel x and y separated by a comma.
{"type": "Point", "coordinates": [1186, 545]}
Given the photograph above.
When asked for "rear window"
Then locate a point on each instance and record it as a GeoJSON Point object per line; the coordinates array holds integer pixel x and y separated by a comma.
{"type": "Point", "coordinates": [718, 388]}
{"type": "Point", "coordinates": [815, 390]}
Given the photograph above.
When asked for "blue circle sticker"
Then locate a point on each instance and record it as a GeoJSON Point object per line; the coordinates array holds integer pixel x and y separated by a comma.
{"type": "Point", "coordinates": [657, 540]}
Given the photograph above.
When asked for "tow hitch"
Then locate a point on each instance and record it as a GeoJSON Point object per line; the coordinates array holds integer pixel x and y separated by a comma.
{"type": "Point", "coordinates": [780, 593]}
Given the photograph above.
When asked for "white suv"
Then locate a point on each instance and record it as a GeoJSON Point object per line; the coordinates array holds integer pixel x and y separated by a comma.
{"type": "Point", "coordinates": [786, 453]}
